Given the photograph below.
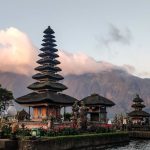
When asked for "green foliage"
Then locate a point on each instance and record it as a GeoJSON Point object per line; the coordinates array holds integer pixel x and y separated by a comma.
{"type": "Point", "coordinates": [62, 132]}
{"type": "Point", "coordinates": [86, 135]}
{"type": "Point", "coordinates": [67, 116]}
{"type": "Point", "coordinates": [24, 132]}
{"type": "Point", "coordinates": [73, 131]}
{"type": "Point", "coordinates": [6, 129]}
{"type": "Point", "coordinates": [69, 131]}
{"type": "Point", "coordinates": [5, 97]}
{"type": "Point", "coordinates": [98, 129]}
{"type": "Point", "coordinates": [42, 131]}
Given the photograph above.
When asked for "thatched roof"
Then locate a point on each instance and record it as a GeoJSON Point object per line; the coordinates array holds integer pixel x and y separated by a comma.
{"type": "Point", "coordinates": [48, 60]}
{"type": "Point", "coordinates": [96, 99]}
{"type": "Point", "coordinates": [52, 86]}
{"type": "Point", "coordinates": [47, 67]}
{"type": "Point", "coordinates": [47, 75]}
{"type": "Point", "coordinates": [47, 53]}
{"type": "Point", "coordinates": [137, 105]}
{"type": "Point", "coordinates": [138, 114]}
{"type": "Point", "coordinates": [47, 48]}
{"type": "Point", "coordinates": [49, 30]}
{"type": "Point", "coordinates": [48, 43]}
{"type": "Point", "coordinates": [137, 99]}
{"type": "Point", "coordinates": [47, 97]}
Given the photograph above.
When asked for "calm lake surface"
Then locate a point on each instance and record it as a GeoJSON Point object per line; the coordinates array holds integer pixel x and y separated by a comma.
{"type": "Point", "coordinates": [134, 145]}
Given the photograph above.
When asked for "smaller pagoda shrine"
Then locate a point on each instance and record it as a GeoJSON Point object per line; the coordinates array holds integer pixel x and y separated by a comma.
{"type": "Point", "coordinates": [138, 116]}
{"type": "Point", "coordinates": [97, 107]}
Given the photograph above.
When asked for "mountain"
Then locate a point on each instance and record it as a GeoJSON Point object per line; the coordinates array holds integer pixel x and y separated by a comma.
{"type": "Point", "coordinates": [15, 82]}
{"type": "Point", "coordinates": [117, 85]}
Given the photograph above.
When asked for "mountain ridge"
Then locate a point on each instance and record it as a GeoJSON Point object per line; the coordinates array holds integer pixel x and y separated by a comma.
{"type": "Point", "coordinates": [116, 85]}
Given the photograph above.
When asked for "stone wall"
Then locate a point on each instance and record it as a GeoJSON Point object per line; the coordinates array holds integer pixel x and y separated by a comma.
{"type": "Point", "coordinates": [6, 144]}
{"type": "Point", "coordinates": [140, 134]}
{"type": "Point", "coordinates": [83, 142]}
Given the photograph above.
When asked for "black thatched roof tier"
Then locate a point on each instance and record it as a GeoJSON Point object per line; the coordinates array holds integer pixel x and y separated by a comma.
{"type": "Point", "coordinates": [47, 97]}
{"type": "Point", "coordinates": [48, 39]}
{"type": "Point", "coordinates": [138, 105]}
{"type": "Point", "coordinates": [48, 85]}
{"type": "Point", "coordinates": [47, 68]}
{"type": "Point", "coordinates": [49, 44]}
{"type": "Point", "coordinates": [138, 114]}
{"type": "Point", "coordinates": [96, 99]}
{"type": "Point", "coordinates": [48, 53]}
{"type": "Point", "coordinates": [47, 75]}
{"type": "Point", "coordinates": [48, 60]}
{"type": "Point", "coordinates": [49, 30]}
{"type": "Point", "coordinates": [49, 48]}
{"type": "Point", "coordinates": [137, 99]}
{"type": "Point", "coordinates": [46, 36]}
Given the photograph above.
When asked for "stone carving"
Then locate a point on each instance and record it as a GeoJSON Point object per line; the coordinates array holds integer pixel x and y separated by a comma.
{"type": "Point", "coordinates": [79, 117]}
{"type": "Point", "coordinates": [83, 116]}
{"type": "Point", "coordinates": [22, 115]}
{"type": "Point", "coordinates": [14, 127]}
{"type": "Point", "coordinates": [75, 110]}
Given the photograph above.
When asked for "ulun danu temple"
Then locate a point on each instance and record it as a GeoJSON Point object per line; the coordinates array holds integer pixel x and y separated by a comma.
{"type": "Point", "coordinates": [47, 99]}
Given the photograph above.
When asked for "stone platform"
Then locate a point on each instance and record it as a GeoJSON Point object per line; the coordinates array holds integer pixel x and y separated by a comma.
{"type": "Point", "coordinates": [7, 144]}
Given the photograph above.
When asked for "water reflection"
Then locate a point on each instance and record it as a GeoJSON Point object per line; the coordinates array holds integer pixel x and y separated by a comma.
{"type": "Point", "coordinates": [134, 145]}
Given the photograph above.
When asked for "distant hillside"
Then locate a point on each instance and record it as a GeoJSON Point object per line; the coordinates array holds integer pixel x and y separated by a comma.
{"type": "Point", "coordinates": [116, 85]}
{"type": "Point", "coordinates": [15, 82]}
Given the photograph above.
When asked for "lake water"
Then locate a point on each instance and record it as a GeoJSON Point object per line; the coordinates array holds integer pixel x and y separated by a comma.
{"type": "Point", "coordinates": [134, 145]}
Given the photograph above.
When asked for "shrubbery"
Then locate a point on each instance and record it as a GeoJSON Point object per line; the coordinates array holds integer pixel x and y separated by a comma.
{"type": "Point", "coordinates": [73, 131]}
{"type": "Point", "coordinates": [6, 130]}
{"type": "Point", "coordinates": [24, 132]}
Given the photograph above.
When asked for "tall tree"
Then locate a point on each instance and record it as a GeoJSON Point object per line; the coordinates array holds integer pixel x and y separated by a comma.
{"type": "Point", "coordinates": [5, 97]}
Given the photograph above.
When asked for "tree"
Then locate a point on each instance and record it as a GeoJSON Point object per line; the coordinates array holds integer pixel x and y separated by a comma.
{"type": "Point", "coordinates": [5, 97]}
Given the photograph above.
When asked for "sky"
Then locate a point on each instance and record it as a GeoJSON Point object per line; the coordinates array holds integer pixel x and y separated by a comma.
{"type": "Point", "coordinates": [88, 32]}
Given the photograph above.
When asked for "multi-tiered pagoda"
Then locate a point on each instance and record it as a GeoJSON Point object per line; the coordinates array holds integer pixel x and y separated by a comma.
{"type": "Point", "coordinates": [138, 116]}
{"type": "Point", "coordinates": [46, 100]}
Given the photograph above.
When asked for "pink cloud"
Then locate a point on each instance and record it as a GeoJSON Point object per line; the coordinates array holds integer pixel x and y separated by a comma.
{"type": "Point", "coordinates": [80, 63]}
{"type": "Point", "coordinates": [17, 53]}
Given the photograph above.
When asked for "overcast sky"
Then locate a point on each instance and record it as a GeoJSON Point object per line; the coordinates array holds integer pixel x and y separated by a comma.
{"type": "Point", "coordinates": [116, 31]}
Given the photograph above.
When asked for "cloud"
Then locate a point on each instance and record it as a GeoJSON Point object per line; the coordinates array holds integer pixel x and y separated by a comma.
{"type": "Point", "coordinates": [17, 53]}
{"type": "Point", "coordinates": [129, 68]}
{"type": "Point", "coordinates": [115, 35]}
{"type": "Point", "coordinates": [80, 63]}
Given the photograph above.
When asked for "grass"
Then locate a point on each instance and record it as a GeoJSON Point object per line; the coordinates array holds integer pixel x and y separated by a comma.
{"type": "Point", "coordinates": [80, 136]}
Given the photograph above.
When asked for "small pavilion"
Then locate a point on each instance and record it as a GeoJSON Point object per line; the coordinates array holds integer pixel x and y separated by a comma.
{"type": "Point", "coordinates": [47, 98]}
{"type": "Point", "coordinates": [97, 107]}
{"type": "Point", "coordinates": [138, 116]}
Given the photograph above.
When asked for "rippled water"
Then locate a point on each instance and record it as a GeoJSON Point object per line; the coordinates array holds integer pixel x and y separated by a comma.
{"type": "Point", "coordinates": [134, 145]}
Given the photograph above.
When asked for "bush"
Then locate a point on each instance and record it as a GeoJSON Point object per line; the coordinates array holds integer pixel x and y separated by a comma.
{"type": "Point", "coordinates": [42, 131]}
{"type": "Point", "coordinates": [62, 132]}
{"type": "Point", "coordinates": [69, 131]}
{"type": "Point", "coordinates": [67, 116]}
{"type": "Point", "coordinates": [24, 132]}
{"type": "Point", "coordinates": [96, 129]}
{"type": "Point", "coordinates": [6, 129]}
